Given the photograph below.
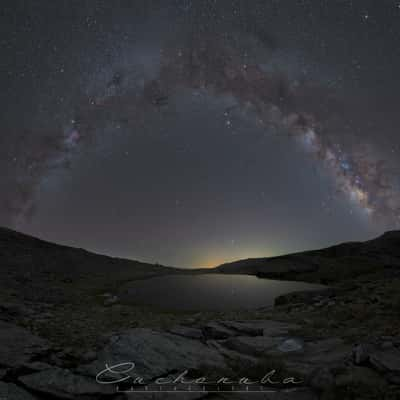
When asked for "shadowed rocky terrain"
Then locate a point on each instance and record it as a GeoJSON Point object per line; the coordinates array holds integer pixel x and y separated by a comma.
{"type": "Point", "coordinates": [61, 321]}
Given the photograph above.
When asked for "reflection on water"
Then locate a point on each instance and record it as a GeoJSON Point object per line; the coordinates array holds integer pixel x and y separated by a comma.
{"type": "Point", "coordinates": [210, 292]}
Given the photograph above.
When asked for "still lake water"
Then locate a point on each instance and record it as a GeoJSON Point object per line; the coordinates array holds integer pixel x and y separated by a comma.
{"type": "Point", "coordinates": [214, 292]}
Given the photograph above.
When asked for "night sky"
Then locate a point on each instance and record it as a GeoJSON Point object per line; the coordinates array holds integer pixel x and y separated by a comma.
{"type": "Point", "coordinates": [191, 133]}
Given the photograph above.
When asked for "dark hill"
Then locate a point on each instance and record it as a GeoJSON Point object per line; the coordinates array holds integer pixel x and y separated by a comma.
{"type": "Point", "coordinates": [333, 264]}
{"type": "Point", "coordinates": [36, 269]}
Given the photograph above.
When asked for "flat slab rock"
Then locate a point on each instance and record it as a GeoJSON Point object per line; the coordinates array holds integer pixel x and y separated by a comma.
{"type": "Point", "coordinates": [186, 331]}
{"type": "Point", "coordinates": [298, 356]}
{"type": "Point", "coordinates": [257, 346]}
{"type": "Point", "coordinates": [260, 327]}
{"type": "Point", "coordinates": [9, 391]}
{"type": "Point", "coordinates": [216, 330]}
{"type": "Point", "coordinates": [64, 384]}
{"type": "Point", "coordinates": [155, 354]}
{"type": "Point", "coordinates": [327, 351]}
{"type": "Point", "coordinates": [18, 345]}
{"type": "Point", "coordinates": [317, 354]}
{"type": "Point", "coordinates": [386, 361]}
{"type": "Point", "coordinates": [225, 329]}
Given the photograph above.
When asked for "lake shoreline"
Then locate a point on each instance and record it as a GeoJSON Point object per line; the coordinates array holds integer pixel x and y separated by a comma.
{"type": "Point", "coordinates": [208, 292]}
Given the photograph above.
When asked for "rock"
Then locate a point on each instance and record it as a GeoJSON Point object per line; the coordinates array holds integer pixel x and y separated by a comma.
{"type": "Point", "coordinates": [260, 327]}
{"type": "Point", "coordinates": [55, 360]}
{"type": "Point", "coordinates": [66, 355]}
{"type": "Point", "coordinates": [326, 351]}
{"type": "Point", "coordinates": [322, 379]}
{"type": "Point", "coordinates": [393, 378]}
{"type": "Point", "coordinates": [360, 383]}
{"type": "Point", "coordinates": [386, 361]}
{"type": "Point", "coordinates": [250, 328]}
{"type": "Point", "coordinates": [37, 366]}
{"type": "Point", "coordinates": [396, 340]}
{"type": "Point", "coordinates": [64, 384]}
{"type": "Point", "coordinates": [359, 376]}
{"type": "Point", "coordinates": [10, 391]}
{"type": "Point", "coordinates": [360, 354]}
{"type": "Point", "coordinates": [214, 330]}
{"type": "Point", "coordinates": [387, 345]}
{"type": "Point", "coordinates": [188, 332]}
{"type": "Point", "coordinates": [109, 301]}
{"type": "Point", "coordinates": [290, 345]}
{"type": "Point", "coordinates": [46, 315]}
{"type": "Point", "coordinates": [155, 353]}
{"type": "Point", "coordinates": [254, 346]}
{"type": "Point", "coordinates": [15, 310]}
{"type": "Point", "coordinates": [230, 354]}
{"type": "Point", "coordinates": [305, 297]}
{"type": "Point", "coordinates": [386, 338]}
{"type": "Point", "coordinates": [18, 345]}
{"type": "Point", "coordinates": [276, 328]}
{"type": "Point", "coordinates": [89, 356]}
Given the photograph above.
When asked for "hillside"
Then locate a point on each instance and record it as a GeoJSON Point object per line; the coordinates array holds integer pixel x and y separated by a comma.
{"type": "Point", "coordinates": [333, 264]}
{"type": "Point", "coordinates": [38, 270]}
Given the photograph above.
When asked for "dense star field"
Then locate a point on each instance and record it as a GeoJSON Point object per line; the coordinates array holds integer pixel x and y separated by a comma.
{"type": "Point", "coordinates": [196, 132]}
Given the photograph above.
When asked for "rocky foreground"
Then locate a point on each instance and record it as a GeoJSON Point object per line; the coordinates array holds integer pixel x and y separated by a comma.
{"type": "Point", "coordinates": [327, 368]}
{"type": "Point", "coordinates": [58, 334]}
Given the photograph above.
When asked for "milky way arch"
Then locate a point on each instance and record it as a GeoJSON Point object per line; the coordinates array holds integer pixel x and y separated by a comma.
{"type": "Point", "coordinates": [218, 66]}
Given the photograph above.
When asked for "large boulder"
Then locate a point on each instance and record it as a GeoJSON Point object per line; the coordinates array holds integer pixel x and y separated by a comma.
{"type": "Point", "coordinates": [64, 384]}
{"type": "Point", "coordinates": [18, 346]}
{"type": "Point", "coordinates": [155, 354]}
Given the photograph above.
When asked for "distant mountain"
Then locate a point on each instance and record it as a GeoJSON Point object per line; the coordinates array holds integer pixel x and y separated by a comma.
{"type": "Point", "coordinates": [333, 264]}
{"type": "Point", "coordinates": [37, 269]}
